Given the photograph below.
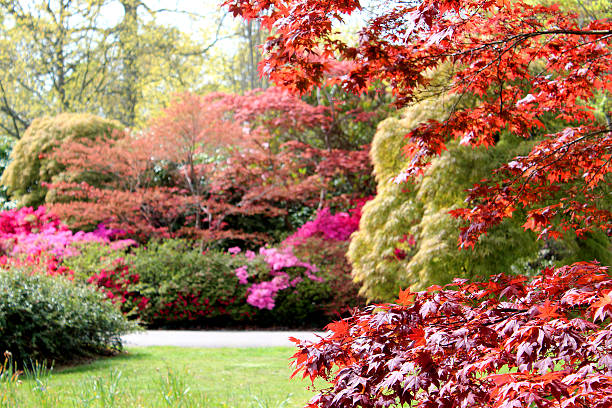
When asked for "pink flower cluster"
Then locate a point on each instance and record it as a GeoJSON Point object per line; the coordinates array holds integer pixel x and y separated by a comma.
{"type": "Point", "coordinates": [262, 294]}
{"type": "Point", "coordinates": [242, 274]}
{"type": "Point", "coordinates": [329, 226]}
{"type": "Point", "coordinates": [338, 226]}
{"type": "Point", "coordinates": [280, 258]}
{"type": "Point", "coordinates": [28, 231]}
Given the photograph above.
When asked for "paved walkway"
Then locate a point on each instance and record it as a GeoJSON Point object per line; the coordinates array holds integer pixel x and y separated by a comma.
{"type": "Point", "coordinates": [219, 338]}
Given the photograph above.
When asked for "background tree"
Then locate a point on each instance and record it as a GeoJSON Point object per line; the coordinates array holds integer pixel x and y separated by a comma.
{"type": "Point", "coordinates": [214, 167]}
{"type": "Point", "coordinates": [57, 44]}
{"type": "Point", "coordinates": [191, 133]}
{"type": "Point", "coordinates": [78, 60]}
{"type": "Point", "coordinates": [234, 69]}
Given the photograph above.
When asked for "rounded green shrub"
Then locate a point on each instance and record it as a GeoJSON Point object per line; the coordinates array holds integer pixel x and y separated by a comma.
{"type": "Point", "coordinates": [30, 165]}
{"type": "Point", "coordinates": [50, 318]}
{"type": "Point", "coordinates": [185, 285]}
{"type": "Point", "coordinates": [406, 237]}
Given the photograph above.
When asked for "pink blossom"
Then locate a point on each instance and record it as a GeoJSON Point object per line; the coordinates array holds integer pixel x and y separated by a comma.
{"type": "Point", "coordinates": [242, 274]}
{"type": "Point", "coordinates": [261, 295]}
{"type": "Point", "coordinates": [250, 255]}
{"type": "Point", "coordinates": [234, 250]}
{"type": "Point", "coordinates": [29, 231]}
{"type": "Point", "coordinates": [279, 258]}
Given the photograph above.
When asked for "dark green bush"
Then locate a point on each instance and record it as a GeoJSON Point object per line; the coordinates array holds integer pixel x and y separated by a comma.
{"type": "Point", "coordinates": [330, 257]}
{"type": "Point", "coordinates": [51, 318]}
{"type": "Point", "coordinates": [300, 307]}
{"type": "Point", "coordinates": [184, 285]}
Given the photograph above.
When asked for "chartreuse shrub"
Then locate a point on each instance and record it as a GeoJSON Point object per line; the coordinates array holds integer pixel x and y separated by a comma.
{"type": "Point", "coordinates": [50, 318]}
{"type": "Point", "coordinates": [30, 165]}
{"type": "Point", "coordinates": [407, 237]}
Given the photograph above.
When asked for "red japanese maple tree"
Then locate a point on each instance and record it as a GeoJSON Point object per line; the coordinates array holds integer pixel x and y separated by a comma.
{"type": "Point", "coordinates": [523, 61]}
{"type": "Point", "coordinates": [504, 343]}
{"type": "Point", "coordinates": [204, 166]}
{"type": "Point", "coordinates": [122, 191]}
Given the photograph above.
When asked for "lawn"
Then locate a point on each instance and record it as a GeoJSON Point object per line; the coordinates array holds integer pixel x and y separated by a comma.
{"type": "Point", "coordinates": [167, 377]}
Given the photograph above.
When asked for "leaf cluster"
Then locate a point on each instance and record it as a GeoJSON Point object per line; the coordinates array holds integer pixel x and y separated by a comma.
{"type": "Point", "coordinates": [508, 342]}
{"type": "Point", "coordinates": [523, 61]}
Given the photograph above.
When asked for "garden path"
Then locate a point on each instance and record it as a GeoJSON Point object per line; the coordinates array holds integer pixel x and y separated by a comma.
{"type": "Point", "coordinates": [216, 338]}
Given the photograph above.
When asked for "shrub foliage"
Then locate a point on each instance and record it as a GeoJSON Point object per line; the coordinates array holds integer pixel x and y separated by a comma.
{"type": "Point", "coordinates": [51, 318]}
{"type": "Point", "coordinates": [170, 283]}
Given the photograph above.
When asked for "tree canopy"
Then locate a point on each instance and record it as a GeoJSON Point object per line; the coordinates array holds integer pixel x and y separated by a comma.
{"type": "Point", "coordinates": [69, 56]}
{"type": "Point", "coordinates": [523, 61]}
{"type": "Point", "coordinates": [510, 341]}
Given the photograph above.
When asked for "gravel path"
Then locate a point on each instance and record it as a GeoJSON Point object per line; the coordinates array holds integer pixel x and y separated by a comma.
{"type": "Point", "coordinates": [219, 338]}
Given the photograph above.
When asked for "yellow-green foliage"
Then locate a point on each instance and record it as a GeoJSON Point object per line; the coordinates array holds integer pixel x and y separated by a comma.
{"type": "Point", "coordinates": [421, 209]}
{"type": "Point", "coordinates": [30, 164]}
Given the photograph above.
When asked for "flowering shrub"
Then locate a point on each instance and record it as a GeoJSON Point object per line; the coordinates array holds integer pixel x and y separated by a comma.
{"type": "Point", "coordinates": [30, 232]}
{"type": "Point", "coordinates": [25, 220]}
{"type": "Point", "coordinates": [338, 226]}
{"type": "Point", "coordinates": [279, 261]}
{"type": "Point", "coordinates": [330, 258]}
{"type": "Point", "coordinates": [118, 283]}
{"type": "Point", "coordinates": [167, 283]}
{"type": "Point", "coordinates": [40, 263]}
{"type": "Point", "coordinates": [323, 242]}
{"type": "Point", "coordinates": [172, 284]}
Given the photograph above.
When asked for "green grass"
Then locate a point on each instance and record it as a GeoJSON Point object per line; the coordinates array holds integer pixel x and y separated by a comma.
{"type": "Point", "coordinates": [166, 377]}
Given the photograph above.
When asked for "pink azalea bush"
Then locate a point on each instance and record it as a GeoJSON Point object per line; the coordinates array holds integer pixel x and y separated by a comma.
{"type": "Point", "coordinates": [31, 231]}
{"type": "Point", "coordinates": [328, 226]}
{"type": "Point", "coordinates": [277, 260]}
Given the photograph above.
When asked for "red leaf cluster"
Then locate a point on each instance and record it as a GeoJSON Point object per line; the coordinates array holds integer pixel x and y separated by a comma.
{"type": "Point", "coordinates": [503, 343]}
{"type": "Point", "coordinates": [523, 62]}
